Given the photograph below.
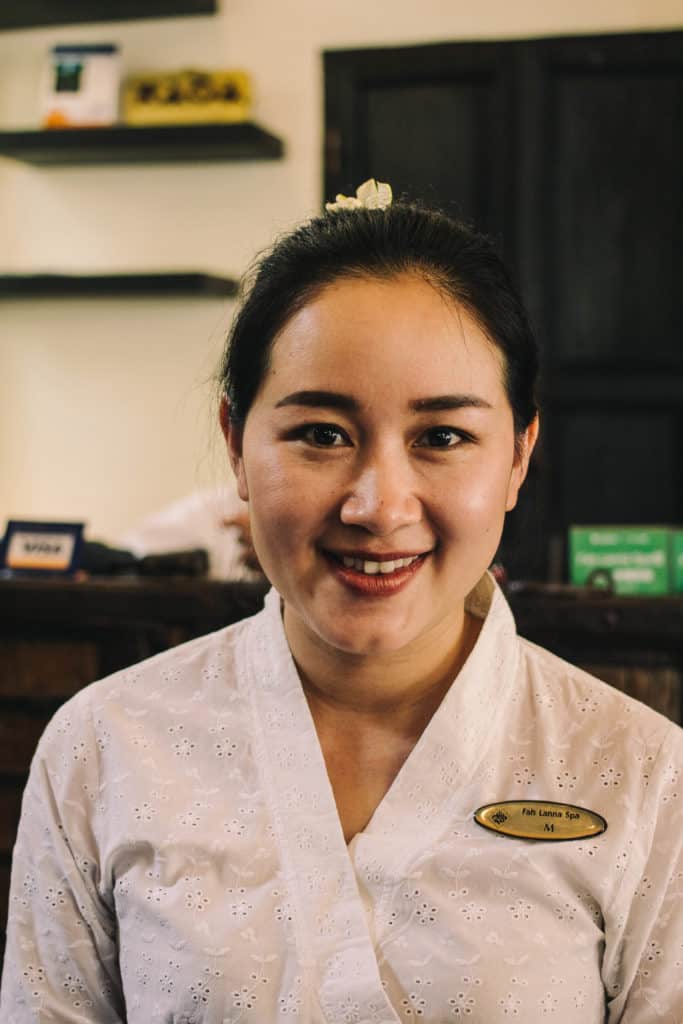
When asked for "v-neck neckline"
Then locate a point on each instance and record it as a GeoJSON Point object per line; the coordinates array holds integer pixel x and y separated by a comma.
{"type": "Point", "coordinates": [332, 925]}
{"type": "Point", "coordinates": [448, 753]}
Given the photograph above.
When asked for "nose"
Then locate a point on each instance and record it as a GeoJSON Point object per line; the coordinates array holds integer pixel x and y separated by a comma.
{"type": "Point", "coordinates": [381, 498]}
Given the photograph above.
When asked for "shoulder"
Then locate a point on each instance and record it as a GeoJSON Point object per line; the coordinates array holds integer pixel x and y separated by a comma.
{"type": "Point", "coordinates": [592, 706]}
{"type": "Point", "coordinates": [191, 679]}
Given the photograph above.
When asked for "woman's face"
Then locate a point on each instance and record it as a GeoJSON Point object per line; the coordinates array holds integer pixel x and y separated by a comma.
{"type": "Point", "coordinates": [378, 460]}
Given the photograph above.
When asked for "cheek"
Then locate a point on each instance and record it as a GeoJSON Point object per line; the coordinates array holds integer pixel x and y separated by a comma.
{"type": "Point", "coordinates": [476, 498]}
{"type": "Point", "coordinates": [284, 486]}
{"type": "Point", "coordinates": [278, 513]}
{"type": "Point", "coordinates": [272, 500]}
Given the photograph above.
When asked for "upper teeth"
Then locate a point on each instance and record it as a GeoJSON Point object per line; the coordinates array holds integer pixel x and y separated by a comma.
{"type": "Point", "coordinates": [372, 568]}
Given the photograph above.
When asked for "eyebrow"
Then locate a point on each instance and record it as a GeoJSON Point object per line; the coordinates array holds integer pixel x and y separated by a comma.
{"type": "Point", "coordinates": [337, 400]}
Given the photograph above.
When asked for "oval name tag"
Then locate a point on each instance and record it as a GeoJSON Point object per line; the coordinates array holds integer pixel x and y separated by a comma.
{"type": "Point", "coordinates": [540, 819]}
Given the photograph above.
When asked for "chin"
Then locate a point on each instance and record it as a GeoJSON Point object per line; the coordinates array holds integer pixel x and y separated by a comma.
{"type": "Point", "coordinates": [372, 644]}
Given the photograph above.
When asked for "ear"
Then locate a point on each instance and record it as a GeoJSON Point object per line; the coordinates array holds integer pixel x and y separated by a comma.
{"type": "Point", "coordinates": [233, 434]}
{"type": "Point", "coordinates": [525, 445]}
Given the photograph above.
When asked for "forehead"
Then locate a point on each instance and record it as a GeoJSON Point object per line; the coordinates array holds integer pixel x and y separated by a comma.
{"type": "Point", "coordinates": [403, 330]}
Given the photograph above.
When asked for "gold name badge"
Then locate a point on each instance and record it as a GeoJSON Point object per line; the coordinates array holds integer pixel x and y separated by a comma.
{"type": "Point", "coordinates": [540, 819]}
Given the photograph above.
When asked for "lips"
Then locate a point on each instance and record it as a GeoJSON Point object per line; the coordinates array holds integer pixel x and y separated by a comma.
{"type": "Point", "coordinates": [373, 566]}
{"type": "Point", "coordinates": [375, 573]}
{"type": "Point", "coordinates": [375, 563]}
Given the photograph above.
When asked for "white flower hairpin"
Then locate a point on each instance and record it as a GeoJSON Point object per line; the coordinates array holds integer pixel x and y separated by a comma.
{"type": "Point", "coordinates": [371, 195]}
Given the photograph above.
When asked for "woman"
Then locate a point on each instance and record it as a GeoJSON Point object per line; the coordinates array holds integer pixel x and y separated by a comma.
{"type": "Point", "coordinates": [276, 821]}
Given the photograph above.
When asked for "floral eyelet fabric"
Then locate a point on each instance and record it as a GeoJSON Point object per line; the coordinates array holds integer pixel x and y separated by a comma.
{"type": "Point", "coordinates": [180, 858]}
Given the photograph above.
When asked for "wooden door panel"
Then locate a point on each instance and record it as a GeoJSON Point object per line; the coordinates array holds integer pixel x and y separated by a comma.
{"type": "Point", "coordinates": [616, 466]}
{"type": "Point", "coordinates": [52, 668]}
{"type": "Point", "coordinates": [19, 735]}
{"type": "Point", "coordinates": [602, 205]}
{"type": "Point", "coordinates": [10, 808]}
{"type": "Point", "coordinates": [444, 120]}
{"type": "Point", "coordinates": [615, 217]}
{"type": "Point", "coordinates": [434, 121]}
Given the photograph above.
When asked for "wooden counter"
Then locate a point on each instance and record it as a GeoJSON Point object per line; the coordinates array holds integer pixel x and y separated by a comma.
{"type": "Point", "coordinates": [56, 636]}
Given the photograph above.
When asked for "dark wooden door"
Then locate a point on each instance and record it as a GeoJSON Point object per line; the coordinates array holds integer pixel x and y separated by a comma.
{"type": "Point", "coordinates": [569, 153]}
{"type": "Point", "coordinates": [601, 204]}
{"type": "Point", "coordinates": [435, 127]}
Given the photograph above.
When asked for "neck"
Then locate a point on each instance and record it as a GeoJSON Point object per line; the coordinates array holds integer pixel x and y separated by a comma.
{"type": "Point", "coordinates": [397, 692]}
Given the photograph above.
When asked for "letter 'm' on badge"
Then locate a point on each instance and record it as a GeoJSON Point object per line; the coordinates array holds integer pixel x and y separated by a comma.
{"type": "Point", "coordinates": [540, 819]}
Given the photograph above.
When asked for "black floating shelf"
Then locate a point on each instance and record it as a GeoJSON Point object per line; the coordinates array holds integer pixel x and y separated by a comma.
{"type": "Point", "coordinates": [123, 144]}
{"type": "Point", "coordinates": [46, 286]}
{"type": "Point", "coordinates": [31, 13]}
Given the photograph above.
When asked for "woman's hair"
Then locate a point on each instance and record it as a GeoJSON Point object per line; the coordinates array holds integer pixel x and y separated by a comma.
{"type": "Point", "coordinates": [355, 243]}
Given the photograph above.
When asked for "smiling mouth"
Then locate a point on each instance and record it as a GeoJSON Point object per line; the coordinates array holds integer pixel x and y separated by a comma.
{"type": "Point", "coordinates": [375, 566]}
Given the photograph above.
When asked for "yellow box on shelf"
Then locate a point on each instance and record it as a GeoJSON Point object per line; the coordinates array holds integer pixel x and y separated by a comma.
{"type": "Point", "coordinates": [187, 97]}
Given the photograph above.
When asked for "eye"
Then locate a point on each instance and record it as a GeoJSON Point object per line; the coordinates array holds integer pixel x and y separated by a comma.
{"type": "Point", "coordinates": [441, 437]}
{"type": "Point", "coordinates": [323, 435]}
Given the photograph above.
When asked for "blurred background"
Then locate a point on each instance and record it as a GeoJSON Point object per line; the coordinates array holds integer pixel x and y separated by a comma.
{"type": "Point", "coordinates": [555, 126]}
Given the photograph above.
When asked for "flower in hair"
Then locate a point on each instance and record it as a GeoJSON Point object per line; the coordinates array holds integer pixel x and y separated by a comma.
{"type": "Point", "coordinates": [371, 195]}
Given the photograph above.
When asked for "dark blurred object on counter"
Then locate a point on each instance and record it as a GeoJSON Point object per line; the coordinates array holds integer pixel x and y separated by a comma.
{"type": "Point", "coordinates": [99, 559]}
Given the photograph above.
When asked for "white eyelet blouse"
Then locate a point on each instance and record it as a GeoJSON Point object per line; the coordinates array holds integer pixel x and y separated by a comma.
{"type": "Point", "coordinates": [180, 859]}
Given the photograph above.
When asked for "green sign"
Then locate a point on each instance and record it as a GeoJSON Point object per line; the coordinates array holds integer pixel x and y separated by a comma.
{"type": "Point", "coordinates": [635, 558]}
{"type": "Point", "coordinates": [677, 561]}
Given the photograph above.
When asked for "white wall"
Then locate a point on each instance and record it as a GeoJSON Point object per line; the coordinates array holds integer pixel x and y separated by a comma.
{"type": "Point", "coordinates": [105, 409]}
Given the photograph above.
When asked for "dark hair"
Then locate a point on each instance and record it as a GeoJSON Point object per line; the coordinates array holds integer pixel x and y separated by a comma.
{"type": "Point", "coordinates": [404, 238]}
